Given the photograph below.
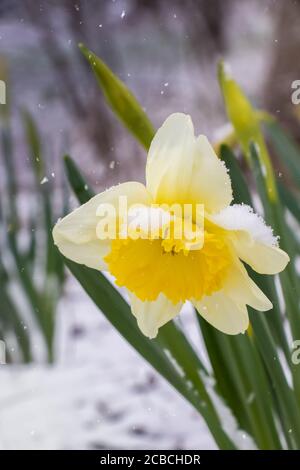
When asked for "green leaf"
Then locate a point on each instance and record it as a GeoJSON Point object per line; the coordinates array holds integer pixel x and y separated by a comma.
{"type": "Point", "coordinates": [35, 146]}
{"type": "Point", "coordinates": [120, 99]}
{"type": "Point", "coordinates": [49, 296]}
{"type": "Point", "coordinates": [10, 176]}
{"type": "Point", "coordinates": [289, 278]}
{"type": "Point", "coordinates": [286, 397]}
{"type": "Point", "coordinates": [78, 184]}
{"type": "Point", "coordinates": [286, 148]}
{"type": "Point", "coordinates": [241, 193]}
{"type": "Point", "coordinates": [242, 380]}
{"type": "Point", "coordinates": [275, 217]}
{"type": "Point", "coordinates": [290, 200]}
{"type": "Point", "coordinates": [10, 318]}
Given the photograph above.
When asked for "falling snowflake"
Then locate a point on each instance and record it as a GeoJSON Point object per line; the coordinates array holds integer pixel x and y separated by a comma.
{"type": "Point", "coordinates": [44, 180]}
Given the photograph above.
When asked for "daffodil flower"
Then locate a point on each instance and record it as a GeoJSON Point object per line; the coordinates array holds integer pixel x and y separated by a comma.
{"type": "Point", "coordinates": [162, 273]}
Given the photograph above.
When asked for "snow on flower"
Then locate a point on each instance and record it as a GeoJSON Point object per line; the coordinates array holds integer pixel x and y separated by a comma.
{"type": "Point", "coordinates": [163, 271]}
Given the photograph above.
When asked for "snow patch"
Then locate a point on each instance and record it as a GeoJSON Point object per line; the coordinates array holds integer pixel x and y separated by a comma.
{"type": "Point", "coordinates": [229, 424]}
{"type": "Point", "coordinates": [242, 217]}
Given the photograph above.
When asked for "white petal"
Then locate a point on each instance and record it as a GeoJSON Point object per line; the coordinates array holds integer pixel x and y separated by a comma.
{"type": "Point", "coordinates": [184, 169]}
{"type": "Point", "coordinates": [152, 315]}
{"type": "Point", "coordinates": [90, 254]}
{"type": "Point", "coordinates": [75, 235]}
{"type": "Point", "coordinates": [223, 313]}
{"type": "Point", "coordinates": [264, 259]}
{"type": "Point", "coordinates": [242, 290]}
{"type": "Point", "coordinates": [252, 239]}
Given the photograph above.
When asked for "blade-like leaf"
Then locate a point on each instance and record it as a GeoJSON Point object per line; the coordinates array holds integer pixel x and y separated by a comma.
{"type": "Point", "coordinates": [286, 398]}
{"type": "Point", "coordinates": [289, 277]}
{"type": "Point", "coordinates": [120, 99]}
{"type": "Point", "coordinates": [34, 145]}
{"type": "Point", "coordinates": [10, 318]}
{"type": "Point", "coordinates": [290, 200]}
{"type": "Point", "coordinates": [286, 148]}
{"type": "Point", "coordinates": [239, 372]}
{"type": "Point", "coordinates": [241, 193]}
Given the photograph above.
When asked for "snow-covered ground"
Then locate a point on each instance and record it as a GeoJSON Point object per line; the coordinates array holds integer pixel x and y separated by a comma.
{"type": "Point", "coordinates": [100, 393]}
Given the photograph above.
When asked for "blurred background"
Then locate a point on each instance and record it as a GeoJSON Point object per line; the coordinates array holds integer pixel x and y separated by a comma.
{"type": "Point", "coordinates": [70, 380]}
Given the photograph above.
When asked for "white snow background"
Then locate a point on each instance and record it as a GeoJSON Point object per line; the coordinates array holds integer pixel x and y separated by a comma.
{"type": "Point", "coordinates": [100, 394]}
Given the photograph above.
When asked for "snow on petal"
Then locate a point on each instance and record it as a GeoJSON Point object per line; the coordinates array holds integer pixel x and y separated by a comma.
{"type": "Point", "coordinates": [253, 240]}
{"type": "Point", "coordinates": [242, 217]}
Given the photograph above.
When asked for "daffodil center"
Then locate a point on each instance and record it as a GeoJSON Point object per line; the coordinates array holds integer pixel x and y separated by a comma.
{"type": "Point", "coordinates": [182, 269]}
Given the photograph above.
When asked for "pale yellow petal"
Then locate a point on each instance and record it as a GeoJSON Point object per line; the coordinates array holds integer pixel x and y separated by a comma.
{"type": "Point", "coordinates": [91, 253]}
{"type": "Point", "coordinates": [184, 169]}
{"type": "Point", "coordinates": [252, 239]}
{"type": "Point", "coordinates": [75, 235]}
{"type": "Point", "coordinates": [152, 315]}
{"type": "Point", "coordinates": [223, 313]}
{"type": "Point", "coordinates": [242, 290]}
{"type": "Point", "coordinates": [264, 259]}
